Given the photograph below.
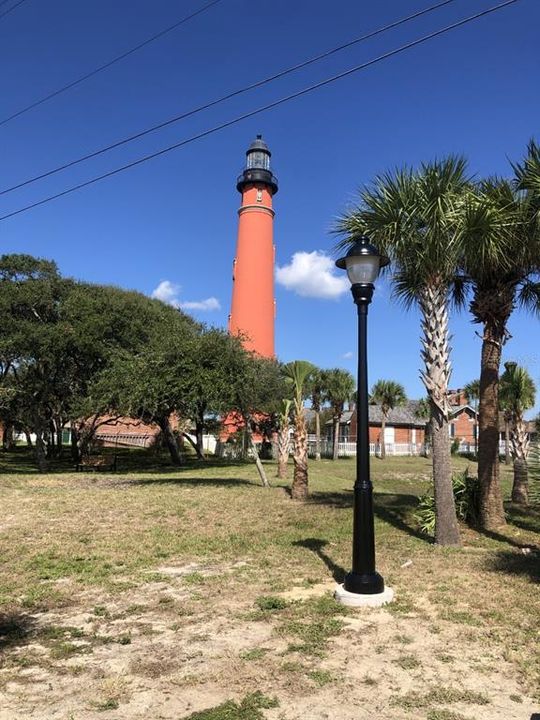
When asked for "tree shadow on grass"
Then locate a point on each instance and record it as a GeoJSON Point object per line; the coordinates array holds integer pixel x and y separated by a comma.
{"type": "Point", "coordinates": [15, 629]}
{"type": "Point", "coordinates": [516, 563]}
{"type": "Point", "coordinates": [20, 460]}
{"type": "Point", "coordinates": [525, 518]}
{"type": "Point", "coordinates": [393, 508]}
{"type": "Point", "coordinates": [188, 482]}
{"type": "Point", "coordinates": [316, 545]}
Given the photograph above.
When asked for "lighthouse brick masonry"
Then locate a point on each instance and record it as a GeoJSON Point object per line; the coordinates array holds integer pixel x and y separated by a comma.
{"type": "Point", "coordinates": [253, 305]}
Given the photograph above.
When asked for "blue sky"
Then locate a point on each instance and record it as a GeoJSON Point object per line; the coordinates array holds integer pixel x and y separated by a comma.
{"type": "Point", "coordinates": [174, 219]}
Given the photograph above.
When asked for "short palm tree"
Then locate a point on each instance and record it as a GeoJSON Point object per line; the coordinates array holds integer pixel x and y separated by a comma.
{"type": "Point", "coordinates": [297, 374]}
{"type": "Point", "coordinates": [517, 394]}
{"type": "Point", "coordinates": [472, 390]}
{"type": "Point", "coordinates": [284, 421]}
{"type": "Point", "coordinates": [410, 216]}
{"type": "Point", "coordinates": [317, 396]}
{"type": "Point", "coordinates": [339, 388]}
{"type": "Point", "coordinates": [389, 395]}
{"type": "Point", "coordinates": [501, 262]}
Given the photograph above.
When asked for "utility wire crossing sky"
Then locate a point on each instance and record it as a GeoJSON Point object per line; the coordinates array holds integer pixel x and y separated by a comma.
{"type": "Point", "coordinates": [257, 111]}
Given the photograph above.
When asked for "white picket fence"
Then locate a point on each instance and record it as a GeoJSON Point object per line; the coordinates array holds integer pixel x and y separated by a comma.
{"type": "Point", "coordinates": [348, 449]}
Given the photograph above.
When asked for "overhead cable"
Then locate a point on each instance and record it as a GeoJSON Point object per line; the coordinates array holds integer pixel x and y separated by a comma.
{"type": "Point", "coordinates": [6, 12]}
{"type": "Point", "coordinates": [223, 98]}
{"type": "Point", "coordinates": [106, 65]}
{"type": "Point", "coordinates": [259, 110]}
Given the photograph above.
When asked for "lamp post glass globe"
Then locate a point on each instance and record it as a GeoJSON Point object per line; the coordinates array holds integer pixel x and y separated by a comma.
{"type": "Point", "coordinates": [363, 262]}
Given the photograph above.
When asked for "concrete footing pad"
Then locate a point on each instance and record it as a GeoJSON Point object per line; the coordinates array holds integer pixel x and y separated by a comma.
{"type": "Point", "coordinates": [355, 600]}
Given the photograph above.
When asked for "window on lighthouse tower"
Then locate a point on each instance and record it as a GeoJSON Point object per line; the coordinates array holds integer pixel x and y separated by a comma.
{"type": "Point", "coordinates": [258, 159]}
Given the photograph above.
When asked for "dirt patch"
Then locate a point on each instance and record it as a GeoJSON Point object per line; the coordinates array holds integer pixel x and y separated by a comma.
{"type": "Point", "coordinates": [158, 649]}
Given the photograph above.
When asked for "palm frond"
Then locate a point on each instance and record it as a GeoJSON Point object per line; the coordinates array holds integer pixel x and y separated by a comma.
{"type": "Point", "coordinates": [528, 296]}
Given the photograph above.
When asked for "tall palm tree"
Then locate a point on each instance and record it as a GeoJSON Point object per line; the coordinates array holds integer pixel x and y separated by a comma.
{"type": "Point", "coordinates": [410, 216]}
{"type": "Point", "coordinates": [389, 395]}
{"type": "Point", "coordinates": [297, 374]}
{"type": "Point", "coordinates": [317, 395]}
{"type": "Point", "coordinates": [501, 263]}
{"type": "Point", "coordinates": [339, 388]}
{"type": "Point", "coordinates": [472, 390]}
{"type": "Point", "coordinates": [517, 393]}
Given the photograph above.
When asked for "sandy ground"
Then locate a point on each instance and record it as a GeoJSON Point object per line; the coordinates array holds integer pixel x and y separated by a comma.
{"type": "Point", "coordinates": [166, 649]}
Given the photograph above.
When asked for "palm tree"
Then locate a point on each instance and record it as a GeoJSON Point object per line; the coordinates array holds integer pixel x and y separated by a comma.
{"type": "Point", "coordinates": [389, 395]}
{"type": "Point", "coordinates": [517, 394]}
{"type": "Point", "coordinates": [297, 373]}
{"type": "Point", "coordinates": [339, 388]}
{"type": "Point", "coordinates": [500, 264]}
{"type": "Point", "coordinates": [317, 395]}
{"type": "Point", "coordinates": [472, 390]}
{"type": "Point", "coordinates": [410, 216]}
{"type": "Point", "coordinates": [283, 417]}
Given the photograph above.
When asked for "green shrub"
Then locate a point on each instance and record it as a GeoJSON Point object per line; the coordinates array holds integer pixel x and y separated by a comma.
{"type": "Point", "coordinates": [454, 447]}
{"type": "Point", "coordinates": [466, 497]}
{"type": "Point", "coordinates": [270, 602]}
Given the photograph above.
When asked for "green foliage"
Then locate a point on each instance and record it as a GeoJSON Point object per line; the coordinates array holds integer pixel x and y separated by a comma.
{"type": "Point", "coordinates": [388, 394]}
{"type": "Point", "coordinates": [517, 390]}
{"type": "Point", "coordinates": [248, 709]}
{"type": "Point", "coordinates": [270, 602]}
{"type": "Point", "coordinates": [297, 375]}
{"type": "Point", "coordinates": [454, 447]}
{"type": "Point", "coordinates": [466, 497]}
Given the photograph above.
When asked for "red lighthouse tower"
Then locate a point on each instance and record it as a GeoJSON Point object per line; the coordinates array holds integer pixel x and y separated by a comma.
{"type": "Point", "coordinates": [253, 305]}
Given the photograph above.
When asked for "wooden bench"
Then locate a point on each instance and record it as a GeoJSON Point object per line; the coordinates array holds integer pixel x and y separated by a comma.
{"type": "Point", "coordinates": [97, 463]}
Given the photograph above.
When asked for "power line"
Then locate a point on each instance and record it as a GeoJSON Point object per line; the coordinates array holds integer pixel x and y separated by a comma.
{"type": "Point", "coordinates": [269, 106]}
{"type": "Point", "coordinates": [6, 12]}
{"type": "Point", "coordinates": [107, 64]}
{"type": "Point", "coordinates": [230, 95]}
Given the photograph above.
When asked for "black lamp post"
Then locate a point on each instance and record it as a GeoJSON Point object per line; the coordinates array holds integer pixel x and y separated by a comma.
{"type": "Point", "coordinates": [363, 262]}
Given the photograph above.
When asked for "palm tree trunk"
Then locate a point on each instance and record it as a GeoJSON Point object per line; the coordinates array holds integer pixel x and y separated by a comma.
{"type": "Point", "coordinates": [283, 451]}
{"type": "Point", "coordinates": [299, 489]}
{"type": "Point", "coordinates": [383, 442]}
{"type": "Point", "coordinates": [507, 441]}
{"type": "Point", "coordinates": [436, 356]}
{"type": "Point", "coordinates": [446, 526]}
{"type": "Point", "coordinates": [317, 435]}
{"type": "Point", "coordinates": [335, 449]}
{"type": "Point", "coordinates": [520, 487]}
{"type": "Point", "coordinates": [491, 503]}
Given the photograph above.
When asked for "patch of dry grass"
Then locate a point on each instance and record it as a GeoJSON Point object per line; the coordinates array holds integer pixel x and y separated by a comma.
{"type": "Point", "coordinates": [177, 577]}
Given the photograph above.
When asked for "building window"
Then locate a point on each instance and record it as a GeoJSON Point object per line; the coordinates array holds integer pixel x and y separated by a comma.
{"type": "Point", "coordinates": [452, 430]}
{"type": "Point", "coordinates": [259, 195]}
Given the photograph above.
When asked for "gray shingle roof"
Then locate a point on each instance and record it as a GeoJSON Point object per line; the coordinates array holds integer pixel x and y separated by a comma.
{"type": "Point", "coordinates": [403, 415]}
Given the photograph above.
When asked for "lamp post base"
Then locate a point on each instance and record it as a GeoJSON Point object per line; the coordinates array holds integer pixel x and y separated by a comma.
{"type": "Point", "coordinates": [351, 599]}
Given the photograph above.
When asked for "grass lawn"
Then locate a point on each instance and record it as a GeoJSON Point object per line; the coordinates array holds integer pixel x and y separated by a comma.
{"type": "Point", "coordinates": [196, 593]}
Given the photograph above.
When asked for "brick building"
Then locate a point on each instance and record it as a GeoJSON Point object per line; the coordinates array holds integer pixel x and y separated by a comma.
{"type": "Point", "coordinates": [404, 427]}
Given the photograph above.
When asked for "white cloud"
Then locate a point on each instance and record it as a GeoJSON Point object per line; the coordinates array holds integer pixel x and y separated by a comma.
{"type": "Point", "coordinates": [311, 274]}
{"type": "Point", "coordinates": [210, 303]}
{"type": "Point", "coordinates": [169, 293]}
{"type": "Point", "coordinates": [348, 355]}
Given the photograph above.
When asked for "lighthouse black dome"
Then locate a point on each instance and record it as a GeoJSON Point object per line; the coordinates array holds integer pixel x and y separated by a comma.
{"type": "Point", "coordinates": [257, 171]}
